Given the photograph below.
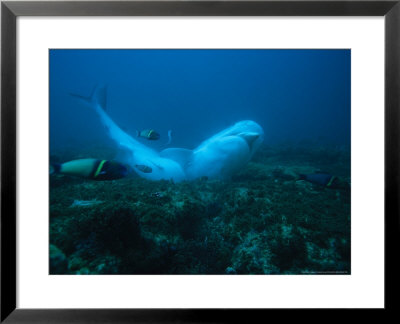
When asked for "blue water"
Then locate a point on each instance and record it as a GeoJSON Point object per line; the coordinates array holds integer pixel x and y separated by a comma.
{"type": "Point", "coordinates": [262, 220]}
{"type": "Point", "coordinates": [295, 95]}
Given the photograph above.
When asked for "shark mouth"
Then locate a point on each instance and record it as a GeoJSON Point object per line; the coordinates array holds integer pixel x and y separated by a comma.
{"type": "Point", "coordinates": [250, 138]}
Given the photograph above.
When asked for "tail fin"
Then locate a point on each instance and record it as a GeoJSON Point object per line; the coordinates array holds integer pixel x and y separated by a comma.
{"type": "Point", "coordinates": [98, 97]}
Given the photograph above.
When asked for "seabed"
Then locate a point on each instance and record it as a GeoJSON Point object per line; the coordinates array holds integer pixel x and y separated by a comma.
{"type": "Point", "coordinates": [262, 221]}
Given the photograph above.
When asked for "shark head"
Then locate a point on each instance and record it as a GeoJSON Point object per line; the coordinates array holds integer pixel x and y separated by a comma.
{"type": "Point", "coordinates": [249, 131]}
{"type": "Point", "coordinates": [226, 152]}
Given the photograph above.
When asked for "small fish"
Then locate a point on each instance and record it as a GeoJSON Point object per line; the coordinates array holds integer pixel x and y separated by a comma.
{"type": "Point", "coordinates": [85, 203]}
{"type": "Point", "coordinates": [322, 179]}
{"type": "Point", "coordinates": [143, 168]}
{"type": "Point", "coordinates": [149, 134]}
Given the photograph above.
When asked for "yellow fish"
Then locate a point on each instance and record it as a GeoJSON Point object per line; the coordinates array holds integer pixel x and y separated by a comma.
{"type": "Point", "coordinates": [91, 169]}
{"type": "Point", "coordinates": [149, 134]}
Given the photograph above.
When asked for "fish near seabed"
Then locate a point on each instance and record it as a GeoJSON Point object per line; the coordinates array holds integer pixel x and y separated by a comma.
{"type": "Point", "coordinates": [218, 157]}
{"type": "Point", "coordinates": [322, 179]}
{"type": "Point", "coordinates": [326, 180]}
{"type": "Point", "coordinates": [91, 169]}
{"type": "Point", "coordinates": [85, 203]}
{"type": "Point", "coordinates": [143, 168]}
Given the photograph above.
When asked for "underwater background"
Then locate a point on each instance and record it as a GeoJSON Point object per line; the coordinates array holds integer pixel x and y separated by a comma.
{"type": "Point", "coordinates": [265, 220]}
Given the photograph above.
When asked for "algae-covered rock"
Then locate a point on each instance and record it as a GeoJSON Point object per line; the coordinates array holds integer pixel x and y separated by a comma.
{"type": "Point", "coordinates": [262, 221]}
{"type": "Point", "coordinates": [58, 261]}
{"type": "Point", "coordinates": [75, 263]}
{"type": "Point", "coordinates": [230, 270]}
{"type": "Point", "coordinates": [83, 271]}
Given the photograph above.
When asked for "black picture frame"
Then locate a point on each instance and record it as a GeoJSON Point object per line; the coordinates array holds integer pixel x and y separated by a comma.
{"type": "Point", "coordinates": [10, 10]}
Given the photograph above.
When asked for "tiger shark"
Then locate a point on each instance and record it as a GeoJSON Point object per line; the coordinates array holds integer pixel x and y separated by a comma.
{"type": "Point", "coordinates": [218, 157]}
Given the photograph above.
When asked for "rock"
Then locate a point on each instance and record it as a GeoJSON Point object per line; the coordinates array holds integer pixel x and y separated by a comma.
{"type": "Point", "coordinates": [83, 271]}
{"type": "Point", "coordinates": [230, 270]}
{"type": "Point", "coordinates": [58, 261]}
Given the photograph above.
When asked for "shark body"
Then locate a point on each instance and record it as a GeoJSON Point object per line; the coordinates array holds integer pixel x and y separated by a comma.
{"type": "Point", "coordinates": [216, 158]}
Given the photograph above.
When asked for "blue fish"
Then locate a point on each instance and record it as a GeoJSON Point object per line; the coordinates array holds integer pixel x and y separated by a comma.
{"type": "Point", "coordinates": [322, 179]}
